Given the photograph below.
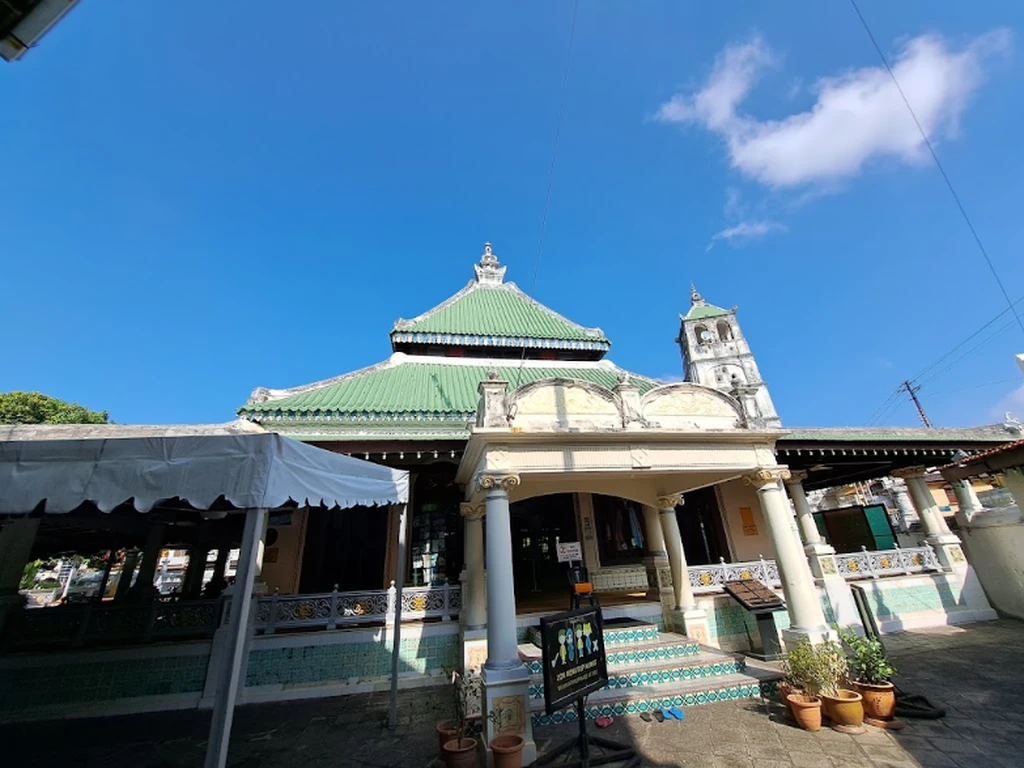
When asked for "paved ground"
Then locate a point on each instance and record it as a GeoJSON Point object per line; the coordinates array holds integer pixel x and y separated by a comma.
{"type": "Point", "coordinates": [974, 672]}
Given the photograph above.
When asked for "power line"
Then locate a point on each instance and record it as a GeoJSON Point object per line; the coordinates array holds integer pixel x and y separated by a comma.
{"type": "Point", "coordinates": [975, 386]}
{"type": "Point", "coordinates": [551, 168]}
{"type": "Point", "coordinates": [969, 351]}
{"type": "Point", "coordinates": [938, 164]}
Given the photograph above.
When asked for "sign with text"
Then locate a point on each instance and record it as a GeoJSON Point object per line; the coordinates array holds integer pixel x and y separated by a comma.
{"type": "Point", "coordinates": [753, 595]}
{"type": "Point", "coordinates": [569, 551]}
{"type": "Point", "coordinates": [573, 656]}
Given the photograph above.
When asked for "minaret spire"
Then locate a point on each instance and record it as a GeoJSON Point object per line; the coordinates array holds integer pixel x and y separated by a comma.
{"type": "Point", "coordinates": [695, 297]}
{"type": "Point", "coordinates": [489, 271]}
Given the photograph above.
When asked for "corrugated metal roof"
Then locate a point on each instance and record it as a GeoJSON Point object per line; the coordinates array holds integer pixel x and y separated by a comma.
{"type": "Point", "coordinates": [449, 390]}
{"type": "Point", "coordinates": [993, 433]}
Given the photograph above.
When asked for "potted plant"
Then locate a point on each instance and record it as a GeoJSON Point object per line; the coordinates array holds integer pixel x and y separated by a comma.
{"type": "Point", "coordinates": [448, 729]}
{"type": "Point", "coordinates": [844, 707]}
{"type": "Point", "coordinates": [802, 700]}
{"type": "Point", "coordinates": [460, 750]}
{"type": "Point", "coordinates": [871, 671]}
{"type": "Point", "coordinates": [506, 748]}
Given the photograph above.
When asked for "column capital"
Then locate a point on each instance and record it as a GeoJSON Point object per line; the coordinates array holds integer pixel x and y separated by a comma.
{"type": "Point", "coordinates": [908, 473]}
{"type": "Point", "coordinates": [796, 476]}
{"type": "Point", "coordinates": [490, 482]}
{"type": "Point", "coordinates": [669, 501]}
{"type": "Point", "coordinates": [472, 511]}
{"type": "Point", "coordinates": [766, 476]}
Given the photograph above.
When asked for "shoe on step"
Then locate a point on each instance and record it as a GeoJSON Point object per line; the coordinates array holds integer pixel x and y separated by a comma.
{"type": "Point", "coordinates": [659, 716]}
{"type": "Point", "coordinates": [677, 713]}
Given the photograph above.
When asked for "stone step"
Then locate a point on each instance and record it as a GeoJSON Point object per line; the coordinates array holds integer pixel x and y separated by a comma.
{"type": "Point", "coordinates": [617, 632]}
{"type": "Point", "coordinates": [704, 666]}
{"type": "Point", "coordinates": [669, 646]}
{"type": "Point", "coordinates": [753, 683]}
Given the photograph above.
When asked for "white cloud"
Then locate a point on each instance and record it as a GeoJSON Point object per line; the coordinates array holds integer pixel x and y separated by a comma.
{"type": "Point", "coordinates": [858, 116]}
{"type": "Point", "coordinates": [746, 231]}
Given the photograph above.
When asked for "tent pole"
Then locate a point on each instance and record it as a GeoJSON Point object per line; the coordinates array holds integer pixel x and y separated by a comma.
{"type": "Point", "coordinates": [397, 638]}
{"type": "Point", "coordinates": [233, 671]}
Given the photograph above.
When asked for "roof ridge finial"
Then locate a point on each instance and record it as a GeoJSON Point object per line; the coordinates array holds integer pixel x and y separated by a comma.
{"type": "Point", "coordinates": [489, 271]}
{"type": "Point", "coordinates": [695, 297]}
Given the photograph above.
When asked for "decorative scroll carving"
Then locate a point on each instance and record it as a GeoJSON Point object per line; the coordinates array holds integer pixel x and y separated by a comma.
{"type": "Point", "coordinates": [796, 476]}
{"type": "Point", "coordinates": [491, 482]}
{"type": "Point", "coordinates": [767, 476]}
{"type": "Point", "coordinates": [472, 511]}
{"type": "Point", "coordinates": [669, 501]}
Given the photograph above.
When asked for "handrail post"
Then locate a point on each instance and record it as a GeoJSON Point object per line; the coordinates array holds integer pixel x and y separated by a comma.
{"type": "Point", "coordinates": [389, 618]}
{"type": "Point", "coordinates": [446, 609]}
{"type": "Point", "coordinates": [867, 560]}
{"type": "Point", "coordinates": [272, 616]}
{"type": "Point", "coordinates": [332, 620]}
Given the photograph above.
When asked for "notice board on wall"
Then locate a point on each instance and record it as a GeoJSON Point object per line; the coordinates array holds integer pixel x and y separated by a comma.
{"type": "Point", "coordinates": [573, 656]}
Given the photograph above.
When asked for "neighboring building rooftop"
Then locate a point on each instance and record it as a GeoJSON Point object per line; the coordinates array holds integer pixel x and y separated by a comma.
{"type": "Point", "coordinates": [994, 433]}
{"type": "Point", "coordinates": [491, 314]}
{"type": "Point", "coordinates": [14, 432]}
{"type": "Point", "coordinates": [426, 397]}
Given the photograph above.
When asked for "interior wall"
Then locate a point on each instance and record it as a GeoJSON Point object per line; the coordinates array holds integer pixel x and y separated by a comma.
{"type": "Point", "coordinates": [749, 539]}
{"type": "Point", "coordinates": [282, 560]}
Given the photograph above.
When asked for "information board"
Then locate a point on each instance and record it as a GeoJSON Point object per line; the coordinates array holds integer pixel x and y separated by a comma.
{"type": "Point", "coordinates": [573, 656]}
{"type": "Point", "coordinates": [569, 551]}
{"type": "Point", "coordinates": [753, 595]}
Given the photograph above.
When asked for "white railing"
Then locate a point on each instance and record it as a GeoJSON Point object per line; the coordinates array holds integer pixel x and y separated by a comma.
{"type": "Point", "coordinates": [868, 564]}
{"type": "Point", "coordinates": [709, 578]}
{"type": "Point", "coordinates": [330, 610]}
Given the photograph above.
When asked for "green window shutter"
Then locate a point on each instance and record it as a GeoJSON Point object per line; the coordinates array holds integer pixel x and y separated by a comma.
{"type": "Point", "coordinates": [881, 530]}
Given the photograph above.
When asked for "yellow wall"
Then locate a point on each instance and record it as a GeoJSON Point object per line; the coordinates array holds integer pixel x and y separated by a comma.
{"type": "Point", "coordinates": [282, 562]}
{"type": "Point", "coordinates": [734, 496]}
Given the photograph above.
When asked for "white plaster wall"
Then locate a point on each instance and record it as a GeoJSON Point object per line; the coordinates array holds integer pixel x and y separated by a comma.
{"type": "Point", "coordinates": [995, 547]}
{"type": "Point", "coordinates": [732, 496]}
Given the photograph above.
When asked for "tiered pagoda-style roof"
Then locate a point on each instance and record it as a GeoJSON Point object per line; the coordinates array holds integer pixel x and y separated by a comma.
{"type": "Point", "coordinates": [492, 317]}
{"type": "Point", "coordinates": [428, 389]}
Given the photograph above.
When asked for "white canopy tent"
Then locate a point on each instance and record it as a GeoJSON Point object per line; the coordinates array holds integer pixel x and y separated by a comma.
{"type": "Point", "coordinates": [243, 473]}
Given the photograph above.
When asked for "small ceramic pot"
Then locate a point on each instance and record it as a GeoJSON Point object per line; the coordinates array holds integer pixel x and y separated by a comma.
{"type": "Point", "coordinates": [806, 711]}
{"type": "Point", "coordinates": [879, 700]}
{"type": "Point", "coordinates": [507, 751]}
{"type": "Point", "coordinates": [845, 709]}
{"type": "Point", "coordinates": [460, 753]}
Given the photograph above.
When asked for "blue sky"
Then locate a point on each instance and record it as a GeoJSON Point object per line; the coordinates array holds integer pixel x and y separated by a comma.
{"type": "Point", "coordinates": [200, 200]}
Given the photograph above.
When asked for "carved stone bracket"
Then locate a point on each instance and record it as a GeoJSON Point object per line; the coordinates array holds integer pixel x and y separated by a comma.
{"type": "Point", "coordinates": [762, 478]}
{"type": "Point", "coordinates": [909, 472]}
{"type": "Point", "coordinates": [670, 501]}
{"type": "Point", "coordinates": [472, 511]}
{"type": "Point", "coordinates": [488, 482]}
{"type": "Point", "coordinates": [796, 476]}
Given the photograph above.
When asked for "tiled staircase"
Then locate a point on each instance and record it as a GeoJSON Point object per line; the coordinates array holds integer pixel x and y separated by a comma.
{"type": "Point", "coordinates": [649, 669]}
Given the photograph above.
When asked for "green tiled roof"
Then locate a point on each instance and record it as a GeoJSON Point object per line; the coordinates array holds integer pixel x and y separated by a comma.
{"type": "Point", "coordinates": [700, 311]}
{"type": "Point", "coordinates": [993, 433]}
{"type": "Point", "coordinates": [499, 310]}
{"type": "Point", "coordinates": [415, 390]}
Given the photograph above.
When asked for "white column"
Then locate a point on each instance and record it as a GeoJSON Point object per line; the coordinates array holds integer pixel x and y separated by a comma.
{"type": "Point", "coordinates": [474, 590]}
{"type": "Point", "coordinates": [901, 495]}
{"type": "Point", "coordinates": [685, 614]}
{"type": "Point", "coordinates": [655, 536]}
{"type": "Point", "coordinates": [504, 676]}
{"type": "Point", "coordinates": [681, 588]}
{"type": "Point", "coordinates": [967, 499]}
{"type": "Point", "coordinates": [656, 561]}
{"type": "Point", "coordinates": [502, 648]}
{"type": "Point", "coordinates": [924, 503]}
{"type": "Point", "coordinates": [233, 670]}
{"type": "Point", "coordinates": [809, 533]}
{"type": "Point", "coordinates": [807, 620]}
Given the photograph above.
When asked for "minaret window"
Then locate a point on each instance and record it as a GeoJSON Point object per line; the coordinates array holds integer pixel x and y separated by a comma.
{"type": "Point", "coordinates": [704, 336]}
{"type": "Point", "coordinates": [724, 331]}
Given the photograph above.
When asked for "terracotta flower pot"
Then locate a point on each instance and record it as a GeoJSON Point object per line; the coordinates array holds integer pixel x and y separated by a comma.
{"type": "Point", "coordinates": [784, 690]}
{"type": "Point", "coordinates": [845, 709]}
{"type": "Point", "coordinates": [446, 731]}
{"type": "Point", "coordinates": [460, 753]}
{"type": "Point", "coordinates": [879, 700]}
{"type": "Point", "coordinates": [508, 751]}
{"type": "Point", "coordinates": [806, 711]}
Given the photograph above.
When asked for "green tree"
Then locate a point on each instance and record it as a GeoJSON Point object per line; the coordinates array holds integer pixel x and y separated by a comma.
{"type": "Point", "coordinates": [37, 408]}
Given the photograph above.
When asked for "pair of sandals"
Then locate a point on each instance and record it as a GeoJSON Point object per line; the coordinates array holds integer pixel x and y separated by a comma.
{"type": "Point", "coordinates": [661, 715]}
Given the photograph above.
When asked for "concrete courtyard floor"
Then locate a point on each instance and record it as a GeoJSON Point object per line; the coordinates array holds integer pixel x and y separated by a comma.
{"type": "Point", "coordinates": [974, 672]}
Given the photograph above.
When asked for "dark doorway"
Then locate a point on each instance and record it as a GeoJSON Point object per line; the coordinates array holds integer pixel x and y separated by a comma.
{"type": "Point", "coordinates": [701, 527]}
{"type": "Point", "coordinates": [344, 547]}
{"type": "Point", "coordinates": [538, 525]}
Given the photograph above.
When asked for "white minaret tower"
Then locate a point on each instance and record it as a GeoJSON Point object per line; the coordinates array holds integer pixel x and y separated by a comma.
{"type": "Point", "coordinates": [715, 354]}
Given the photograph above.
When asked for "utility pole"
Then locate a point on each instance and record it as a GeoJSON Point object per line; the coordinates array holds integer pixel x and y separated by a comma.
{"type": "Point", "coordinates": [911, 390]}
